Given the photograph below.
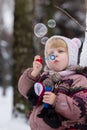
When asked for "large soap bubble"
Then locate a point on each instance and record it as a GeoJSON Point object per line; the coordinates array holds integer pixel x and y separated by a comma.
{"type": "Point", "coordinates": [40, 30]}
{"type": "Point", "coordinates": [51, 23]}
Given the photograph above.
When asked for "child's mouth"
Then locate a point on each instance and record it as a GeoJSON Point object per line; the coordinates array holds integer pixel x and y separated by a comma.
{"type": "Point", "coordinates": [56, 61]}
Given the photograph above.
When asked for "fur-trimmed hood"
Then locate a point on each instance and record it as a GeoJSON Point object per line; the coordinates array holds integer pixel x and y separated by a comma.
{"type": "Point", "coordinates": [80, 70]}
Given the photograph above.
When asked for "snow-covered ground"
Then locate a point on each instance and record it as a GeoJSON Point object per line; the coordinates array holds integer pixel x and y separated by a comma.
{"type": "Point", "coordinates": [7, 120]}
{"type": "Point", "coordinates": [15, 124]}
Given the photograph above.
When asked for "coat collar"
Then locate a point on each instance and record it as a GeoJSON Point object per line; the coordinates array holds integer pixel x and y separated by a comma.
{"type": "Point", "coordinates": [70, 70]}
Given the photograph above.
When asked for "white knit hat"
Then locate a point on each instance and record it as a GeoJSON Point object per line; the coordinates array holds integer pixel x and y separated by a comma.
{"type": "Point", "coordinates": [73, 48]}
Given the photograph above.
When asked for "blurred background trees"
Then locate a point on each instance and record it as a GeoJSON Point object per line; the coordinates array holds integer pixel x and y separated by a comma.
{"type": "Point", "coordinates": [24, 44]}
{"type": "Point", "coordinates": [6, 40]}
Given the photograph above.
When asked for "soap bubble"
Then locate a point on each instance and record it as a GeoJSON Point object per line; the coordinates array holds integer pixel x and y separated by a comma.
{"type": "Point", "coordinates": [52, 57]}
{"type": "Point", "coordinates": [40, 30]}
{"type": "Point", "coordinates": [43, 40]}
{"type": "Point", "coordinates": [51, 23]}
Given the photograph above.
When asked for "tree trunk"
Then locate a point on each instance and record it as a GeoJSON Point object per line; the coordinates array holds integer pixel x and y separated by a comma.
{"type": "Point", "coordinates": [23, 51]}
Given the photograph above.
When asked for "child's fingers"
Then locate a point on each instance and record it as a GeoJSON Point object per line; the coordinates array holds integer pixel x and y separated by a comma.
{"type": "Point", "coordinates": [49, 97]}
{"type": "Point", "coordinates": [36, 63]}
{"type": "Point", "coordinates": [36, 57]}
{"type": "Point", "coordinates": [46, 95]}
{"type": "Point", "coordinates": [37, 66]}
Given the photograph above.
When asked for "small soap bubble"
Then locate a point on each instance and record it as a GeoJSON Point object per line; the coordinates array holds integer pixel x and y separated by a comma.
{"type": "Point", "coordinates": [51, 23]}
{"type": "Point", "coordinates": [40, 30]}
{"type": "Point", "coordinates": [43, 40]}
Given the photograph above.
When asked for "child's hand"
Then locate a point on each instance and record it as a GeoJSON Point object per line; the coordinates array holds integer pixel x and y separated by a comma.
{"type": "Point", "coordinates": [49, 97]}
{"type": "Point", "coordinates": [37, 66]}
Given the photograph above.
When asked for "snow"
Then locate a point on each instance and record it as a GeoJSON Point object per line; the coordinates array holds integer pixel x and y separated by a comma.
{"type": "Point", "coordinates": [7, 120]}
{"type": "Point", "coordinates": [15, 124]}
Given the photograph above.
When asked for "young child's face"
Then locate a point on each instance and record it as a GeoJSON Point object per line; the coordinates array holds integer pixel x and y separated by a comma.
{"type": "Point", "coordinates": [61, 58]}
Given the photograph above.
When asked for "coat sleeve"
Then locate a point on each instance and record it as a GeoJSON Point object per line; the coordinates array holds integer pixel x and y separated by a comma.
{"type": "Point", "coordinates": [25, 82]}
{"type": "Point", "coordinates": [74, 107]}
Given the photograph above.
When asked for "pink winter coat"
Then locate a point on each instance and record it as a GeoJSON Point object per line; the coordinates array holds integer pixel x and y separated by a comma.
{"type": "Point", "coordinates": [74, 110]}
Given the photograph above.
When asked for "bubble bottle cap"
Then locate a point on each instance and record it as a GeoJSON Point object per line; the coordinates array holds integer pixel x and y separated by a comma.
{"type": "Point", "coordinates": [39, 60]}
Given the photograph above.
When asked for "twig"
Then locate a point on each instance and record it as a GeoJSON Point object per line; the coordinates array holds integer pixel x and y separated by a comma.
{"type": "Point", "coordinates": [66, 13]}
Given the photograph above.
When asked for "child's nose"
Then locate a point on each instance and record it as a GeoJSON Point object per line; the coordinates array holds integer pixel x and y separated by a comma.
{"type": "Point", "coordinates": [56, 55]}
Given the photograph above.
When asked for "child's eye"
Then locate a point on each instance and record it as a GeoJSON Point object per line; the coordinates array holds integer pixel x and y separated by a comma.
{"type": "Point", "coordinates": [60, 51]}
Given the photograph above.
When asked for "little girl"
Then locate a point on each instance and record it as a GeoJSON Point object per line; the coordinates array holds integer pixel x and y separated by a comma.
{"type": "Point", "coordinates": [70, 98]}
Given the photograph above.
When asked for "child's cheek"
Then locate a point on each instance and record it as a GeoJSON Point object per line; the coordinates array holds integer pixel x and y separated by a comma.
{"type": "Point", "coordinates": [50, 63]}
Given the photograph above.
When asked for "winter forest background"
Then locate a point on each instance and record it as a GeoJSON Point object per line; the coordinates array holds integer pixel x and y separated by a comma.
{"type": "Point", "coordinates": [25, 25]}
